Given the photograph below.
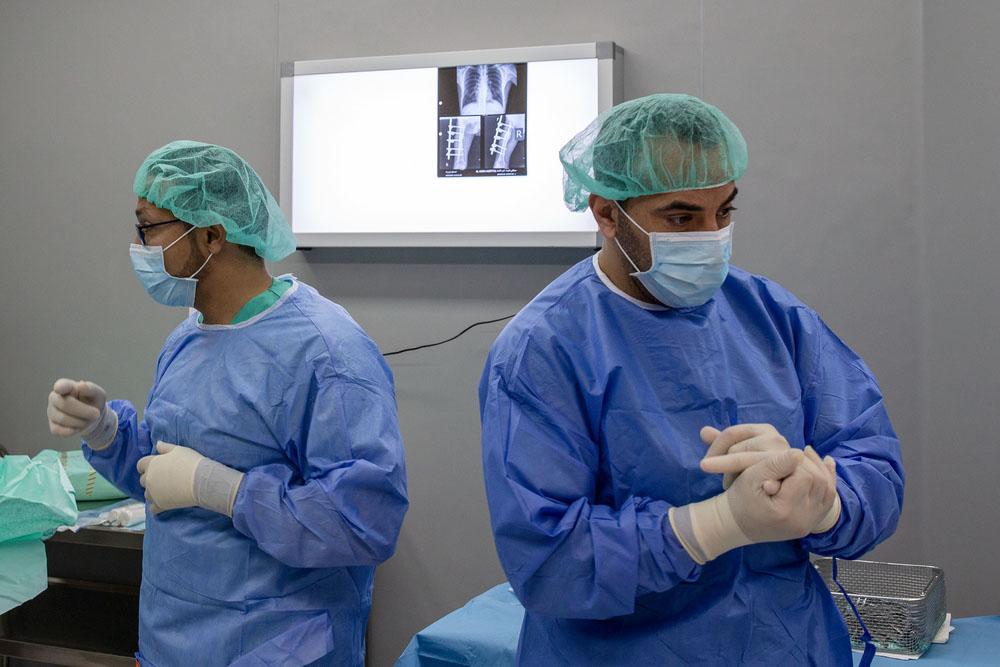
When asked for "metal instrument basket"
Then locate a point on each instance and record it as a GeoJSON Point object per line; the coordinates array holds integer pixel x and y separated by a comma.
{"type": "Point", "coordinates": [902, 605]}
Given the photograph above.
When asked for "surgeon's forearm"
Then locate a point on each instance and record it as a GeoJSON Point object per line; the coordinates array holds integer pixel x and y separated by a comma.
{"type": "Point", "coordinates": [871, 503]}
{"type": "Point", "coordinates": [851, 424]}
{"type": "Point", "coordinates": [103, 432]}
{"type": "Point", "coordinates": [598, 564]}
{"type": "Point", "coordinates": [663, 560]}
{"type": "Point", "coordinates": [349, 517]}
{"type": "Point", "coordinates": [116, 461]}
{"type": "Point", "coordinates": [707, 529]}
{"type": "Point", "coordinates": [216, 486]}
{"type": "Point", "coordinates": [831, 518]}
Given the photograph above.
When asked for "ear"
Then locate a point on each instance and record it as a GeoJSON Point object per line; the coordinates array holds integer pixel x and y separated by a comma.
{"type": "Point", "coordinates": [215, 238]}
{"type": "Point", "coordinates": [605, 214]}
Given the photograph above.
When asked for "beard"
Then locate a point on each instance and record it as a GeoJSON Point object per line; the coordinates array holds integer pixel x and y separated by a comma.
{"type": "Point", "coordinates": [195, 259]}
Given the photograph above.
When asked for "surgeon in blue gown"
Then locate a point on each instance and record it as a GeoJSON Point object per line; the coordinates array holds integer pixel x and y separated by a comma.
{"type": "Point", "coordinates": [666, 438]}
{"type": "Point", "coordinates": [269, 452]}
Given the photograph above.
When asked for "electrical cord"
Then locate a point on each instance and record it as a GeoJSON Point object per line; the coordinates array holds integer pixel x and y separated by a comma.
{"type": "Point", "coordinates": [463, 331]}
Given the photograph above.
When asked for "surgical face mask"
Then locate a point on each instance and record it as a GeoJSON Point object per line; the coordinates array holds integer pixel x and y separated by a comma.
{"type": "Point", "coordinates": [165, 289]}
{"type": "Point", "coordinates": [687, 268]}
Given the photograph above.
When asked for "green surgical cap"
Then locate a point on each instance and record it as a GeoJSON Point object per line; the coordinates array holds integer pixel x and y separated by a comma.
{"type": "Point", "coordinates": [661, 143]}
{"type": "Point", "coordinates": [205, 185]}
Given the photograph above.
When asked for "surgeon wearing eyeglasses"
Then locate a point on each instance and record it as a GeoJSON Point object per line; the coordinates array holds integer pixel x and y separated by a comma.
{"type": "Point", "coordinates": [269, 452]}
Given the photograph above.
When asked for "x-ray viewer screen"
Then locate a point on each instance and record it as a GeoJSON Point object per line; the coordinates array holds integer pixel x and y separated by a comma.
{"type": "Point", "coordinates": [439, 150]}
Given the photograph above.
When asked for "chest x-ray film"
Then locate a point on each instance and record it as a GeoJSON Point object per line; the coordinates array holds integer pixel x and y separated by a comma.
{"type": "Point", "coordinates": [482, 116]}
{"type": "Point", "coordinates": [447, 149]}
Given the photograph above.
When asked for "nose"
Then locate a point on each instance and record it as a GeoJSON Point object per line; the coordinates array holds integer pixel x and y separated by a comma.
{"type": "Point", "coordinates": [709, 226]}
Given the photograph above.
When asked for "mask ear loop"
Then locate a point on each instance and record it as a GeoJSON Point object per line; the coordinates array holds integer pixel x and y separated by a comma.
{"type": "Point", "coordinates": [210, 255]}
{"type": "Point", "coordinates": [637, 269]}
{"type": "Point", "coordinates": [179, 238]}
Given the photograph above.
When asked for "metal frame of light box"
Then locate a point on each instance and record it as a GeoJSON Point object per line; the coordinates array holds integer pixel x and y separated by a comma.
{"type": "Point", "coordinates": [610, 59]}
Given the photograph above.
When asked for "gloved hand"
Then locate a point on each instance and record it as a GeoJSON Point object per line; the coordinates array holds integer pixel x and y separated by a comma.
{"type": "Point", "coordinates": [746, 513]}
{"type": "Point", "coordinates": [746, 453]}
{"type": "Point", "coordinates": [832, 516]}
{"type": "Point", "coordinates": [179, 476]}
{"type": "Point", "coordinates": [81, 408]}
{"type": "Point", "coordinates": [740, 439]}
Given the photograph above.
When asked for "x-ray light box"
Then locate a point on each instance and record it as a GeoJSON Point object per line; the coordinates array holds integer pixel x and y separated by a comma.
{"type": "Point", "coordinates": [440, 149]}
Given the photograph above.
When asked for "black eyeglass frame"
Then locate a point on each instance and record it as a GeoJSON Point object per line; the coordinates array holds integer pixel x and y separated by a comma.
{"type": "Point", "coordinates": [141, 229]}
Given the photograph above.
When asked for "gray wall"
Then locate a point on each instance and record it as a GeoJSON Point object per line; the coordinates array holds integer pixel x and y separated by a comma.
{"type": "Point", "coordinates": [960, 301]}
{"type": "Point", "coordinates": [852, 110]}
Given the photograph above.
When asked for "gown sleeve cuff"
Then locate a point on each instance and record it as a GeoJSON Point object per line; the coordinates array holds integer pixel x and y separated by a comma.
{"type": "Point", "coordinates": [102, 434]}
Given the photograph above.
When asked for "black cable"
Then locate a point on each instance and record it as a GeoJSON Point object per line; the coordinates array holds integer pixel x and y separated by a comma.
{"type": "Point", "coordinates": [471, 326]}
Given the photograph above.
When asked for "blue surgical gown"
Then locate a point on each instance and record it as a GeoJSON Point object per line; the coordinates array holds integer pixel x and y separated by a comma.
{"type": "Point", "coordinates": [591, 407]}
{"type": "Point", "coordinates": [300, 400]}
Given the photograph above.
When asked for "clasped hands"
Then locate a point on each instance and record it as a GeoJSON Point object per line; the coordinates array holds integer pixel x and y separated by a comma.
{"type": "Point", "coordinates": [811, 480]}
{"type": "Point", "coordinates": [772, 493]}
{"type": "Point", "coordinates": [739, 447]}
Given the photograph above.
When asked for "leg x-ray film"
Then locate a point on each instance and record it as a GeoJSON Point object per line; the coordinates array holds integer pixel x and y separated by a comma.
{"type": "Point", "coordinates": [482, 115]}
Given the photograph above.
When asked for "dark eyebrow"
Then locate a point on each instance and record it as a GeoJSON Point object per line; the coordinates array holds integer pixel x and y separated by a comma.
{"type": "Point", "coordinates": [138, 213]}
{"type": "Point", "coordinates": [678, 205]}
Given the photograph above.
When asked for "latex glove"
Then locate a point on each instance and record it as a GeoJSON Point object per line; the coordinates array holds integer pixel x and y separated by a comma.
{"type": "Point", "coordinates": [179, 476]}
{"type": "Point", "coordinates": [747, 514]}
{"type": "Point", "coordinates": [829, 464]}
{"type": "Point", "coordinates": [740, 439]}
{"type": "Point", "coordinates": [78, 407]}
{"type": "Point", "coordinates": [747, 453]}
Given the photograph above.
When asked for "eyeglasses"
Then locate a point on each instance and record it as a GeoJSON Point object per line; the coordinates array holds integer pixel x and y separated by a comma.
{"type": "Point", "coordinates": [141, 229]}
